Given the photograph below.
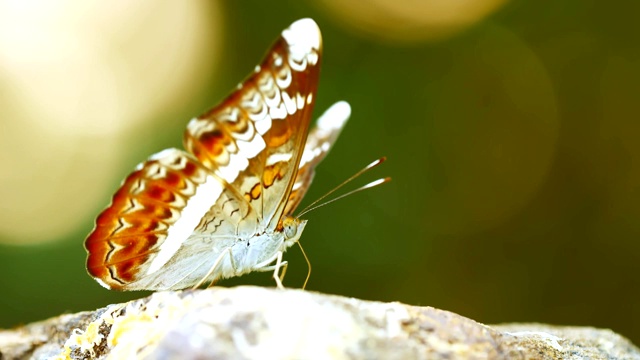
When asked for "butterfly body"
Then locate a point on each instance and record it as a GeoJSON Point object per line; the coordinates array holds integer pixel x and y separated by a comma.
{"type": "Point", "coordinates": [223, 207]}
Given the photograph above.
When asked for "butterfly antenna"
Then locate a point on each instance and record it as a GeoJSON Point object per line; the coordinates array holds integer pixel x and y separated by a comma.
{"type": "Point", "coordinates": [308, 265]}
{"type": "Point", "coordinates": [313, 205]}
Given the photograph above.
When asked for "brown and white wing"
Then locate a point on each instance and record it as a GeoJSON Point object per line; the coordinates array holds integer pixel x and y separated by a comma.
{"type": "Point", "coordinates": [137, 240]}
{"type": "Point", "coordinates": [254, 138]}
{"type": "Point", "coordinates": [320, 140]}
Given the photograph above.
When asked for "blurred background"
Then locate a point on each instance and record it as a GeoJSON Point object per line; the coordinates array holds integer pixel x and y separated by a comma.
{"type": "Point", "coordinates": [512, 130]}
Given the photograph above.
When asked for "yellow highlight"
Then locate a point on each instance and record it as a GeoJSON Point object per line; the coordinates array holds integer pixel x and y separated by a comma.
{"type": "Point", "coordinates": [76, 79]}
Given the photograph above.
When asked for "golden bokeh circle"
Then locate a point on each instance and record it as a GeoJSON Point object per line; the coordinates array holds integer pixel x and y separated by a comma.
{"type": "Point", "coordinates": [76, 78]}
{"type": "Point", "coordinates": [410, 21]}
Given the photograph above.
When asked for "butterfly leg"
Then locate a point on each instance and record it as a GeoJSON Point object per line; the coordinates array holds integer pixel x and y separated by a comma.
{"type": "Point", "coordinates": [276, 270]}
{"type": "Point", "coordinates": [284, 266]}
{"type": "Point", "coordinates": [215, 265]}
{"type": "Point", "coordinates": [264, 267]}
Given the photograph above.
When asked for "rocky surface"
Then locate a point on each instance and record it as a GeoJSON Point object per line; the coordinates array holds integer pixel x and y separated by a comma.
{"type": "Point", "coordinates": [254, 322]}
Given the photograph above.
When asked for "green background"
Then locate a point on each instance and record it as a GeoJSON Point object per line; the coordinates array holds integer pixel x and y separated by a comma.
{"type": "Point", "coordinates": [513, 148]}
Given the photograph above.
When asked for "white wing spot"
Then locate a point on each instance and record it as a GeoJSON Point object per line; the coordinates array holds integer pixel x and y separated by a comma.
{"type": "Point", "coordinates": [289, 103]}
{"type": "Point", "coordinates": [284, 82]}
{"type": "Point", "coordinates": [263, 125]}
{"type": "Point", "coordinates": [300, 101]}
{"type": "Point", "coordinates": [278, 112]}
{"type": "Point", "coordinates": [249, 149]}
{"type": "Point", "coordinates": [303, 34]}
{"type": "Point", "coordinates": [252, 102]}
{"type": "Point", "coordinates": [236, 164]}
{"type": "Point", "coordinates": [313, 58]}
{"type": "Point", "coordinates": [295, 64]}
{"type": "Point", "coordinates": [276, 158]}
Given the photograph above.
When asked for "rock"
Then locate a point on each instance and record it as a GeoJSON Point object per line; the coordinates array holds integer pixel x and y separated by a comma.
{"type": "Point", "coordinates": [254, 322]}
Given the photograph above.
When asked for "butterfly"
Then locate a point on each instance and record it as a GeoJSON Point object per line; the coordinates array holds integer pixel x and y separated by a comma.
{"type": "Point", "coordinates": [223, 207]}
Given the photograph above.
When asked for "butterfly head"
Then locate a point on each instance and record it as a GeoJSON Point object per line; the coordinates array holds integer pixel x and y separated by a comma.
{"type": "Point", "coordinates": [292, 228]}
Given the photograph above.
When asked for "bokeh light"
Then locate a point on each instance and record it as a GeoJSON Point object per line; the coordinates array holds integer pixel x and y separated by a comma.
{"type": "Point", "coordinates": [410, 21]}
{"type": "Point", "coordinates": [76, 77]}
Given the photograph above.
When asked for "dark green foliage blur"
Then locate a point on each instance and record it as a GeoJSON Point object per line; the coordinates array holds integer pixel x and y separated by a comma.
{"type": "Point", "coordinates": [514, 149]}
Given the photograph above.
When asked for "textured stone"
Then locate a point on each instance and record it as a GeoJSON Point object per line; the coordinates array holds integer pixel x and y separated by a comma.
{"type": "Point", "coordinates": [253, 322]}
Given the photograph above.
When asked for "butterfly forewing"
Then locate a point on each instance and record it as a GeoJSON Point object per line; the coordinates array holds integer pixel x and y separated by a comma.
{"type": "Point", "coordinates": [179, 210]}
{"type": "Point", "coordinates": [254, 138]}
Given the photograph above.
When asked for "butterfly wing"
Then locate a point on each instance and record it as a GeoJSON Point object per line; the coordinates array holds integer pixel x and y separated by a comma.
{"type": "Point", "coordinates": [320, 140]}
{"type": "Point", "coordinates": [177, 206]}
{"type": "Point", "coordinates": [254, 138]}
{"type": "Point", "coordinates": [154, 211]}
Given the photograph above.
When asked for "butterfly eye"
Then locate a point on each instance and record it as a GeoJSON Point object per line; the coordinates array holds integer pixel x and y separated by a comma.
{"type": "Point", "coordinates": [290, 227]}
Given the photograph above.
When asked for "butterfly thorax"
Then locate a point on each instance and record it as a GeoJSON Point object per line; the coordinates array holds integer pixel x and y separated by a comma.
{"type": "Point", "coordinates": [260, 250]}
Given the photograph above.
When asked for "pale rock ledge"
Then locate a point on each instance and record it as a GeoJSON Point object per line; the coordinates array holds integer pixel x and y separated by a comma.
{"type": "Point", "coordinates": [264, 323]}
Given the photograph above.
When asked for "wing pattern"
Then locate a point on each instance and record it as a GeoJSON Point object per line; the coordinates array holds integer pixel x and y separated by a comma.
{"type": "Point", "coordinates": [255, 137]}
